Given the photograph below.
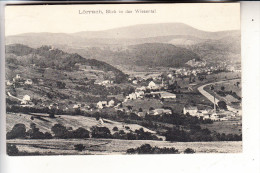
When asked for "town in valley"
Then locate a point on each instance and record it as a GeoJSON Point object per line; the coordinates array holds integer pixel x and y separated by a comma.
{"type": "Point", "coordinates": [148, 94]}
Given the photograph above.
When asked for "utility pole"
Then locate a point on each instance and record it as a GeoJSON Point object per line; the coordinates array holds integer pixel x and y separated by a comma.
{"type": "Point", "coordinates": [212, 89]}
{"type": "Point", "coordinates": [215, 103]}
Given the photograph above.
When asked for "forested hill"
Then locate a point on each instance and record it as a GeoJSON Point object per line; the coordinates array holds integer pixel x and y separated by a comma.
{"type": "Point", "coordinates": [49, 57]}
{"type": "Point", "coordinates": [161, 54]}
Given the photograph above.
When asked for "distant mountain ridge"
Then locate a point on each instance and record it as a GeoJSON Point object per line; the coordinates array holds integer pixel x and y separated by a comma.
{"type": "Point", "coordinates": [110, 45]}
{"type": "Point", "coordinates": [144, 31]}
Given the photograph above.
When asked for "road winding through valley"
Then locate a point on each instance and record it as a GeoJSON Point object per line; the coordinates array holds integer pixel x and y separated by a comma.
{"type": "Point", "coordinates": [211, 97]}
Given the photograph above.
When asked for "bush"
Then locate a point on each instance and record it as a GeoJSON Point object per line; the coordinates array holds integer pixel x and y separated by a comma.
{"type": "Point", "coordinates": [148, 149]}
{"type": "Point", "coordinates": [100, 132]}
{"type": "Point", "coordinates": [222, 105]}
{"type": "Point", "coordinates": [12, 150]}
{"type": "Point", "coordinates": [127, 127]}
{"type": "Point", "coordinates": [79, 147]}
{"type": "Point", "coordinates": [189, 151]}
{"type": "Point", "coordinates": [115, 129]}
{"type": "Point", "coordinates": [80, 133]}
{"type": "Point", "coordinates": [60, 131]}
{"type": "Point", "coordinates": [121, 132]}
{"type": "Point", "coordinates": [47, 135]}
{"type": "Point", "coordinates": [51, 115]}
{"type": "Point", "coordinates": [18, 131]}
{"type": "Point", "coordinates": [35, 133]}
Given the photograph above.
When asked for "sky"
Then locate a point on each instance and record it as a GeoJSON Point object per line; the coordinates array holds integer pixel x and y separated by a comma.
{"type": "Point", "coordinates": [67, 18]}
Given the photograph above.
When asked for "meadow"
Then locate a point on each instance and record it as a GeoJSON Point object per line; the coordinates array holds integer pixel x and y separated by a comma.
{"type": "Point", "coordinates": [116, 146]}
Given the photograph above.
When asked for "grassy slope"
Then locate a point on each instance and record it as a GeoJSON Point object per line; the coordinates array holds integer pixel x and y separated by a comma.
{"type": "Point", "coordinates": [45, 123]}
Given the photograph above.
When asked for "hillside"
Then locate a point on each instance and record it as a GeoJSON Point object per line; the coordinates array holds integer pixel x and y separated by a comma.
{"type": "Point", "coordinates": [47, 57]}
{"type": "Point", "coordinates": [110, 45]}
{"type": "Point", "coordinates": [159, 54]}
{"type": "Point", "coordinates": [147, 54]}
{"type": "Point", "coordinates": [59, 77]}
{"type": "Point", "coordinates": [44, 122]}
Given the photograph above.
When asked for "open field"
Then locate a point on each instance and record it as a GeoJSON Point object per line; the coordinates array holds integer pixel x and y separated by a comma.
{"type": "Point", "coordinates": [114, 146]}
{"type": "Point", "coordinates": [227, 127]}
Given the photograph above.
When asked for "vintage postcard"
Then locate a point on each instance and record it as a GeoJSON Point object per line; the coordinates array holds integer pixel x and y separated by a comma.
{"type": "Point", "coordinates": [123, 79]}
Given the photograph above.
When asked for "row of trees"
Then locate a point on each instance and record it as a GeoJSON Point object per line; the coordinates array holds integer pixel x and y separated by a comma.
{"type": "Point", "coordinates": [61, 132]}
{"type": "Point", "coordinates": [148, 149]}
{"type": "Point", "coordinates": [195, 133]}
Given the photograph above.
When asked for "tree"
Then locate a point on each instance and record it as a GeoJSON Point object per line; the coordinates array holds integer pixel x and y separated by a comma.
{"type": "Point", "coordinates": [222, 105]}
{"type": "Point", "coordinates": [61, 85]}
{"type": "Point", "coordinates": [12, 150]}
{"type": "Point", "coordinates": [100, 132]}
{"type": "Point", "coordinates": [34, 133]}
{"type": "Point", "coordinates": [115, 128]}
{"type": "Point", "coordinates": [189, 151]}
{"type": "Point", "coordinates": [151, 109]}
{"type": "Point", "coordinates": [60, 131]}
{"type": "Point", "coordinates": [222, 88]}
{"type": "Point", "coordinates": [18, 131]}
{"type": "Point", "coordinates": [51, 115]}
{"type": "Point", "coordinates": [80, 133]}
{"type": "Point", "coordinates": [130, 108]}
{"type": "Point", "coordinates": [79, 147]}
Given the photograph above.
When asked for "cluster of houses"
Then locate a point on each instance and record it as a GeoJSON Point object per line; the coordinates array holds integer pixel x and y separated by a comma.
{"type": "Point", "coordinates": [103, 104]}
{"type": "Point", "coordinates": [195, 63]}
{"type": "Point", "coordinates": [154, 92]}
{"type": "Point", "coordinates": [18, 79]}
{"type": "Point", "coordinates": [104, 82]}
{"type": "Point", "coordinates": [182, 72]}
{"type": "Point", "coordinates": [207, 113]}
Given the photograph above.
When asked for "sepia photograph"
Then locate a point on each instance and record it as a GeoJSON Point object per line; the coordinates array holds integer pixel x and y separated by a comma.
{"type": "Point", "coordinates": [123, 79]}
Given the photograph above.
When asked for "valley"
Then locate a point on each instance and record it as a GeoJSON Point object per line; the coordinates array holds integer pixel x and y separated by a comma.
{"type": "Point", "coordinates": [108, 92]}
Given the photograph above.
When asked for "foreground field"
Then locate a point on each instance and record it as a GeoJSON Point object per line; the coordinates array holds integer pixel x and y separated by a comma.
{"type": "Point", "coordinates": [115, 146]}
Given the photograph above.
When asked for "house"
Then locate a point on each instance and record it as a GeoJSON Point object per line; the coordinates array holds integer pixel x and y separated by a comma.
{"type": "Point", "coordinates": [26, 99]}
{"type": "Point", "coordinates": [141, 88]}
{"type": "Point", "coordinates": [167, 95]}
{"type": "Point", "coordinates": [101, 104]}
{"type": "Point", "coordinates": [76, 106]}
{"type": "Point", "coordinates": [141, 114]}
{"type": "Point", "coordinates": [132, 96]}
{"type": "Point", "coordinates": [214, 117]}
{"type": "Point", "coordinates": [40, 81]}
{"type": "Point", "coordinates": [139, 94]}
{"type": "Point", "coordinates": [9, 83]}
{"type": "Point", "coordinates": [206, 117]}
{"type": "Point", "coordinates": [28, 82]}
{"type": "Point", "coordinates": [152, 85]}
{"type": "Point", "coordinates": [111, 103]}
{"type": "Point", "coordinates": [170, 76]}
{"type": "Point", "coordinates": [192, 110]}
{"type": "Point", "coordinates": [134, 82]}
{"type": "Point", "coordinates": [18, 76]}
{"type": "Point", "coordinates": [160, 111]}
{"type": "Point", "coordinates": [100, 121]}
{"type": "Point", "coordinates": [105, 82]}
